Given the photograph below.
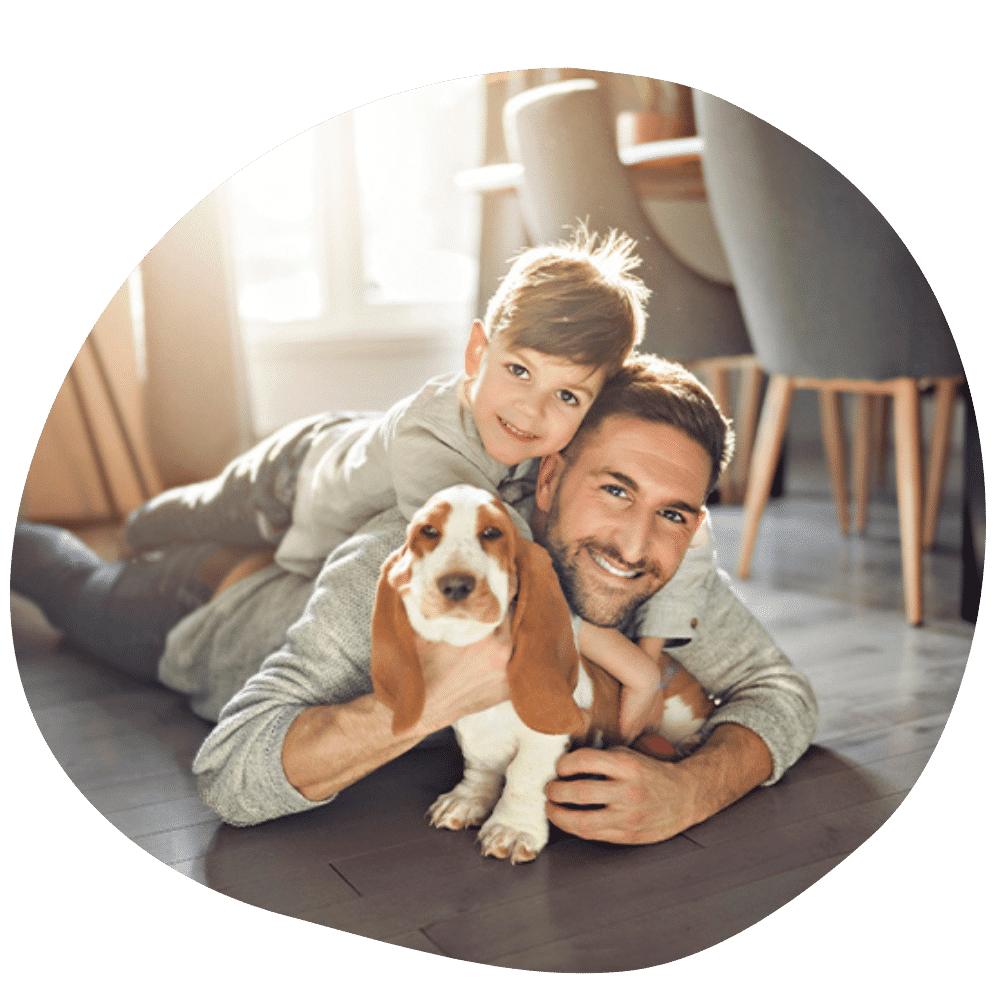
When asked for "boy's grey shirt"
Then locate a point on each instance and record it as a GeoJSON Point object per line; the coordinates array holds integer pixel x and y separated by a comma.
{"type": "Point", "coordinates": [278, 643]}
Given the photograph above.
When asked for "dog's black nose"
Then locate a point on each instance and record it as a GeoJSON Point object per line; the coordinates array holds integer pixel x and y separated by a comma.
{"type": "Point", "coordinates": [456, 586]}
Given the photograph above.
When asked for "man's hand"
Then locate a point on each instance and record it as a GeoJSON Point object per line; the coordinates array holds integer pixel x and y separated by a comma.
{"type": "Point", "coordinates": [461, 680]}
{"type": "Point", "coordinates": [643, 800]}
{"type": "Point", "coordinates": [328, 747]}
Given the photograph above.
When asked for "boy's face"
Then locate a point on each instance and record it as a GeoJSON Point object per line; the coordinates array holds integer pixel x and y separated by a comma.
{"type": "Point", "coordinates": [526, 404]}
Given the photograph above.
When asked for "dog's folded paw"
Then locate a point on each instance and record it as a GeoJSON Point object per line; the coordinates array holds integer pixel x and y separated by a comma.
{"type": "Point", "coordinates": [455, 810]}
{"type": "Point", "coordinates": [499, 841]}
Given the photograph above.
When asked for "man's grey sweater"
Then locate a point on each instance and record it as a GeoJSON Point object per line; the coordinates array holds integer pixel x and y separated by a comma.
{"type": "Point", "coordinates": [277, 643]}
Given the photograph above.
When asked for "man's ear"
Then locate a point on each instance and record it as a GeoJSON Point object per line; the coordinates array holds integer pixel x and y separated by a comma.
{"type": "Point", "coordinates": [550, 470]}
{"type": "Point", "coordinates": [475, 348]}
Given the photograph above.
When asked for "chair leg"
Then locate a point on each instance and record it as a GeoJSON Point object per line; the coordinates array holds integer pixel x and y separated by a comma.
{"type": "Point", "coordinates": [763, 462]}
{"type": "Point", "coordinates": [717, 376]}
{"type": "Point", "coordinates": [906, 403]}
{"type": "Point", "coordinates": [748, 414]}
{"type": "Point", "coordinates": [945, 390]}
{"type": "Point", "coordinates": [881, 435]}
{"type": "Point", "coordinates": [861, 457]}
{"type": "Point", "coordinates": [833, 440]}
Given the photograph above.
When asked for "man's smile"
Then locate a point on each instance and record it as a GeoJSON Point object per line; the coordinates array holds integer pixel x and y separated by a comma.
{"type": "Point", "coordinates": [603, 563]}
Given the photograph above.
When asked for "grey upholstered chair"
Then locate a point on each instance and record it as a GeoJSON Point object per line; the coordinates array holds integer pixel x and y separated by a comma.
{"type": "Point", "coordinates": [834, 302]}
{"type": "Point", "coordinates": [563, 136]}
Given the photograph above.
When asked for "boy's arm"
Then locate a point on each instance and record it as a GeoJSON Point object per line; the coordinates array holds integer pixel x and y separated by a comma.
{"type": "Point", "coordinates": [638, 674]}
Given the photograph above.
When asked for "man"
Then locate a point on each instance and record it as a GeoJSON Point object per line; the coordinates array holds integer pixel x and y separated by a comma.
{"type": "Point", "coordinates": [297, 721]}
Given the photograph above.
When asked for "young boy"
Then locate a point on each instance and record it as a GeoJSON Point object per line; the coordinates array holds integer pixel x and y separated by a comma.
{"type": "Point", "coordinates": [562, 321]}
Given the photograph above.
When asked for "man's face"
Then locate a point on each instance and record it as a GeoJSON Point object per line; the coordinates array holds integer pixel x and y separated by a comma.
{"type": "Point", "coordinates": [620, 518]}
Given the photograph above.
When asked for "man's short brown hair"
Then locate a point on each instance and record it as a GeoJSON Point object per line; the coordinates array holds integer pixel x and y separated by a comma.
{"type": "Point", "coordinates": [576, 300]}
{"type": "Point", "coordinates": [661, 392]}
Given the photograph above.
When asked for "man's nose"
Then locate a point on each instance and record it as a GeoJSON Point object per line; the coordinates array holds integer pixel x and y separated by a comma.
{"type": "Point", "coordinates": [632, 538]}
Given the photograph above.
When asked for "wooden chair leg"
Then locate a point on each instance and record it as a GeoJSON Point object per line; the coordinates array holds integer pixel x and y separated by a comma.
{"type": "Point", "coordinates": [945, 390]}
{"type": "Point", "coordinates": [861, 441]}
{"type": "Point", "coordinates": [881, 439]}
{"type": "Point", "coordinates": [833, 440]}
{"type": "Point", "coordinates": [717, 376]}
{"type": "Point", "coordinates": [906, 403]}
{"type": "Point", "coordinates": [747, 416]}
{"type": "Point", "coordinates": [763, 462]}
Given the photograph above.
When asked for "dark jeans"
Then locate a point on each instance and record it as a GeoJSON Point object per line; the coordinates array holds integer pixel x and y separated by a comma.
{"type": "Point", "coordinates": [120, 611]}
{"type": "Point", "coordinates": [186, 539]}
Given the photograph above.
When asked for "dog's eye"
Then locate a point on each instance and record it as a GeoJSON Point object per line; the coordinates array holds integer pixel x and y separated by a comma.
{"type": "Point", "coordinates": [429, 531]}
{"type": "Point", "coordinates": [490, 533]}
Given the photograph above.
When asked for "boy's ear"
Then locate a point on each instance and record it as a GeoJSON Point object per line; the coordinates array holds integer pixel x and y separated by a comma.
{"type": "Point", "coordinates": [474, 349]}
{"type": "Point", "coordinates": [550, 470]}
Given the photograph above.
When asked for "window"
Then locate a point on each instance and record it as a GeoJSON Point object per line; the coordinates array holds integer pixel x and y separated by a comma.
{"type": "Point", "coordinates": [355, 228]}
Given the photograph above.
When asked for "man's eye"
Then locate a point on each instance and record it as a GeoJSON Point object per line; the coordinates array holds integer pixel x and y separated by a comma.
{"type": "Point", "coordinates": [615, 490]}
{"type": "Point", "coordinates": [567, 397]}
{"type": "Point", "coordinates": [674, 515]}
{"type": "Point", "coordinates": [429, 531]}
{"type": "Point", "coordinates": [490, 533]}
{"type": "Point", "coordinates": [518, 371]}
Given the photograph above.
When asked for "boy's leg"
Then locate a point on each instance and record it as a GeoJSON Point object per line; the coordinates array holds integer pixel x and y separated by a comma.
{"type": "Point", "coordinates": [120, 611]}
{"type": "Point", "coordinates": [249, 503]}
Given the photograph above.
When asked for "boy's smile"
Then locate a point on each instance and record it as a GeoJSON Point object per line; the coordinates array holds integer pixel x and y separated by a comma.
{"type": "Point", "coordinates": [526, 404]}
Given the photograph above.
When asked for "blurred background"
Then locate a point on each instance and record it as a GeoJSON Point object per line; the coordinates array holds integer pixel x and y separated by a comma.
{"type": "Point", "coordinates": [343, 269]}
{"type": "Point", "coordinates": [340, 270]}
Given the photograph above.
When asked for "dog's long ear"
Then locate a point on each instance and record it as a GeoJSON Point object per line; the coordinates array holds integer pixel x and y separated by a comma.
{"type": "Point", "coordinates": [543, 668]}
{"type": "Point", "coordinates": [396, 675]}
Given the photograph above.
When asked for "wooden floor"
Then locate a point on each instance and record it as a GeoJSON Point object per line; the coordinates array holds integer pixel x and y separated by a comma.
{"type": "Point", "coordinates": [369, 864]}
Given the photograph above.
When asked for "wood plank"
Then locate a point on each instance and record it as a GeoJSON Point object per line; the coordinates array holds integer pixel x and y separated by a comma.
{"type": "Point", "coordinates": [294, 889]}
{"type": "Point", "coordinates": [416, 940]}
{"type": "Point", "coordinates": [666, 935]}
{"type": "Point", "coordinates": [119, 796]}
{"type": "Point", "coordinates": [159, 817]}
{"type": "Point", "coordinates": [422, 900]}
{"type": "Point", "coordinates": [624, 899]}
{"type": "Point", "coordinates": [864, 748]}
{"type": "Point", "coordinates": [171, 846]}
{"type": "Point", "coordinates": [775, 807]}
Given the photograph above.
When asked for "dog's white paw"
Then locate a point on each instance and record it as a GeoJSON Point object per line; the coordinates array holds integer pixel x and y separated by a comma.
{"type": "Point", "coordinates": [457, 810]}
{"type": "Point", "coordinates": [500, 841]}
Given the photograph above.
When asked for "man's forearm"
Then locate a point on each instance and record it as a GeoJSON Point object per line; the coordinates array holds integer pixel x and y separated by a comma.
{"type": "Point", "coordinates": [732, 761]}
{"type": "Point", "coordinates": [329, 747]}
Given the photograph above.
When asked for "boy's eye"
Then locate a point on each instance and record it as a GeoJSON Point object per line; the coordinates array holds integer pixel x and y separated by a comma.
{"type": "Point", "coordinates": [567, 397]}
{"type": "Point", "coordinates": [518, 371]}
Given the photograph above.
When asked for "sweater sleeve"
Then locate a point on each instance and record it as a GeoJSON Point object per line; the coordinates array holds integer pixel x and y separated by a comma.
{"type": "Point", "coordinates": [325, 660]}
{"type": "Point", "coordinates": [734, 659]}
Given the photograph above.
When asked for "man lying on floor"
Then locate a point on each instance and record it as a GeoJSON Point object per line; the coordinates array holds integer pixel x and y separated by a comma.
{"type": "Point", "coordinates": [281, 662]}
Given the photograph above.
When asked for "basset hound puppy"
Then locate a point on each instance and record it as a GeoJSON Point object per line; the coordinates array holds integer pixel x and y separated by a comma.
{"type": "Point", "coordinates": [463, 569]}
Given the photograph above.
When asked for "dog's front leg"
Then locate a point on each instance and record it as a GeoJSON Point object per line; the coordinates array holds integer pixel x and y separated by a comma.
{"type": "Point", "coordinates": [488, 745]}
{"type": "Point", "coordinates": [518, 828]}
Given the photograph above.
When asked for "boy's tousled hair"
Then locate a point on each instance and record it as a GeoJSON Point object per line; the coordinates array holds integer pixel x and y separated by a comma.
{"type": "Point", "coordinates": [577, 300]}
{"type": "Point", "coordinates": [662, 392]}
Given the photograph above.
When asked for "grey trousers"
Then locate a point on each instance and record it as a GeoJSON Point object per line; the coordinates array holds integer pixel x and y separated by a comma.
{"type": "Point", "coordinates": [249, 503]}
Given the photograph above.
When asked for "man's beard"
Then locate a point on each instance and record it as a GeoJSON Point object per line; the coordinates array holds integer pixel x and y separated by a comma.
{"type": "Point", "coordinates": [605, 611]}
